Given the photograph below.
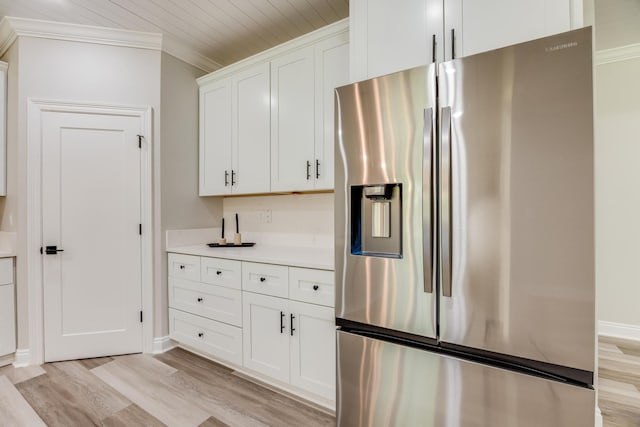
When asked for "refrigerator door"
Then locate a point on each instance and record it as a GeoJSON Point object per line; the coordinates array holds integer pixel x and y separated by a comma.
{"type": "Point", "coordinates": [386, 384]}
{"type": "Point", "coordinates": [384, 135]}
{"type": "Point", "coordinates": [517, 209]}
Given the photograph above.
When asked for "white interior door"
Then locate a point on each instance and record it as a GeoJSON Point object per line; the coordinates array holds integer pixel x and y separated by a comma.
{"type": "Point", "coordinates": [91, 209]}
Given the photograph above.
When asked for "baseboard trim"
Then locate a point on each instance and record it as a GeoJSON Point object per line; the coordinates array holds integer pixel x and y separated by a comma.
{"type": "Point", "coordinates": [619, 330]}
{"type": "Point", "coordinates": [22, 358]}
{"type": "Point", "coordinates": [162, 344]}
{"type": "Point", "coordinates": [6, 360]}
{"type": "Point", "coordinates": [598, 420]}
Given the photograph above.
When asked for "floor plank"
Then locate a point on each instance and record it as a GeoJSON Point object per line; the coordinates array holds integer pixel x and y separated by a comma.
{"type": "Point", "coordinates": [132, 415]}
{"type": "Point", "coordinates": [17, 375]}
{"type": "Point", "coordinates": [94, 362]}
{"type": "Point", "coordinates": [219, 383]}
{"type": "Point", "coordinates": [15, 411]}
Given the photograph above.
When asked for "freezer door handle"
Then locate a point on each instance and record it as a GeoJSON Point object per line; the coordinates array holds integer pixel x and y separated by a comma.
{"type": "Point", "coordinates": [428, 175]}
{"type": "Point", "coordinates": [445, 200]}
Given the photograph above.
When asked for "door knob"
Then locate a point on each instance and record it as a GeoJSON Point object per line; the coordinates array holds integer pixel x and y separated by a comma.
{"type": "Point", "coordinates": [51, 250]}
{"type": "Point", "coordinates": [262, 279]}
{"type": "Point", "coordinates": [316, 287]}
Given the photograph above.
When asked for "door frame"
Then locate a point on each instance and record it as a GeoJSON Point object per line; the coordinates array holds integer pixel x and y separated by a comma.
{"type": "Point", "coordinates": [35, 109]}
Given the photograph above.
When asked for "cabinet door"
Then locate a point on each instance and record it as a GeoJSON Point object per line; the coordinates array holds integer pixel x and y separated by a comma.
{"type": "Point", "coordinates": [7, 320]}
{"type": "Point", "coordinates": [251, 136]}
{"type": "Point", "coordinates": [313, 348]}
{"type": "Point", "coordinates": [265, 335]}
{"type": "Point", "coordinates": [215, 138]}
{"type": "Point", "coordinates": [388, 36]}
{"type": "Point", "coordinates": [292, 121]}
{"type": "Point", "coordinates": [481, 26]}
{"type": "Point", "coordinates": [332, 70]}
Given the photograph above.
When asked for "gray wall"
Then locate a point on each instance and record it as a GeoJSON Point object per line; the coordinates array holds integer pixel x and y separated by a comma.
{"type": "Point", "coordinates": [181, 207]}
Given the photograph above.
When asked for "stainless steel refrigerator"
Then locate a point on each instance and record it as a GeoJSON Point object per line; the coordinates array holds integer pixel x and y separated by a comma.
{"type": "Point", "coordinates": [464, 222]}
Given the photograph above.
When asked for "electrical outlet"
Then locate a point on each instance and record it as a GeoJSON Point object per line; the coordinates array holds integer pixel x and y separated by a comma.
{"type": "Point", "coordinates": [265, 216]}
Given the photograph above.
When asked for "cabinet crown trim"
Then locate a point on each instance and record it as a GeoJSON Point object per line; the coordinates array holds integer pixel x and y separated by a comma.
{"type": "Point", "coordinates": [308, 39]}
{"type": "Point", "coordinates": [618, 54]}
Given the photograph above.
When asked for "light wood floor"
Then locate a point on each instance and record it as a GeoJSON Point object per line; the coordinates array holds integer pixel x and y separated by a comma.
{"type": "Point", "coordinates": [181, 389]}
{"type": "Point", "coordinates": [175, 389]}
{"type": "Point", "coordinates": [619, 382]}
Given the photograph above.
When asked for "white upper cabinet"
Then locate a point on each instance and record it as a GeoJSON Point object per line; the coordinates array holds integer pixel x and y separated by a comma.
{"type": "Point", "coordinates": [250, 118]}
{"type": "Point", "coordinates": [215, 138]}
{"type": "Point", "coordinates": [389, 36]}
{"type": "Point", "coordinates": [234, 133]}
{"type": "Point", "coordinates": [267, 122]}
{"type": "Point", "coordinates": [479, 26]}
{"type": "Point", "coordinates": [292, 121]}
{"type": "Point", "coordinates": [302, 115]}
{"type": "Point", "coordinates": [332, 70]}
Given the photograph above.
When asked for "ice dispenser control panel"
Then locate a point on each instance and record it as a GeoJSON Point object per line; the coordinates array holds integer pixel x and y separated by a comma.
{"type": "Point", "coordinates": [376, 220]}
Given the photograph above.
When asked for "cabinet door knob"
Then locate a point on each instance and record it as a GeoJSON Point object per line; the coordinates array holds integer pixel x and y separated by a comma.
{"type": "Point", "coordinates": [316, 287]}
{"type": "Point", "coordinates": [200, 299]}
{"type": "Point", "coordinates": [200, 334]}
{"type": "Point", "coordinates": [226, 178]}
{"type": "Point", "coordinates": [308, 170]}
{"type": "Point", "coordinates": [233, 178]}
{"type": "Point", "coordinates": [218, 272]}
{"type": "Point", "coordinates": [262, 279]}
{"type": "Point", "coordinates": [317, 169]}
{"type": "Point", "coordinates": [182, 267]}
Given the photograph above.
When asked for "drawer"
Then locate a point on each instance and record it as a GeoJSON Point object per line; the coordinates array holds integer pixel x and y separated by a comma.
{"type": "Point", "coordinates": [208, 336]}
{"type": "Point", "coordinates": [6, 271]}
{"type": "Point", "coordinates": [211, 301]}
{"type": "Point", "coordinates": [314, 286]}
{"type": "Point", "coordinates": [184, 266]}
{"type": "Point", "coordinates": [221, 272]}
{"type": "Point", "coordinates": [265, 279]}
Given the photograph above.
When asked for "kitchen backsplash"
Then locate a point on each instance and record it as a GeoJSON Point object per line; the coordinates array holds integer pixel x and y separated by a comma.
{"type": "Point", "coordinates": [292, 213]}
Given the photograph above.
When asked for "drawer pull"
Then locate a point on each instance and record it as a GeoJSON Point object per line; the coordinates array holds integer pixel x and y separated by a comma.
{"type": "Point", "coordinates": [218, 272]}
{"type": "Point", "coordinates": [200, 334]}
{"type": "Point", "coordinates": [316, 287]}
{"type": "Point", "coordinates": [262, 279]}
{"type": "Point", "coordinates": [200, 299]}
{"type": "Point", "coordinates": [181, 267]}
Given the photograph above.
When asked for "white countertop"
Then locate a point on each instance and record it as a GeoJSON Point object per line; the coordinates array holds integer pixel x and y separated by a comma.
{"type": "Point", "coordinates": [295, 256]}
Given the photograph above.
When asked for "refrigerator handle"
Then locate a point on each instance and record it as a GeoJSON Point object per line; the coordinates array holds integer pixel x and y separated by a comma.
{"type": "Point", "coordinates": [428, 206]}
{"type": "Point", "coordinates": [445, 200]}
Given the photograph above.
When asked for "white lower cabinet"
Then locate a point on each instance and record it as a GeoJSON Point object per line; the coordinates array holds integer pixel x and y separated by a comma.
{"type": "Point", "coordinates": [291, 341]}
{"type": "Point", "coordinates": [7, 308]}
{"type": "Point", "coordinates": [313, 348]}
{"type": "Point", "coordinates": [276, 322]}
{"type": "Point", "coordinates": [215, 338]}
{"type": "Point", "coordinates": [265, 335]}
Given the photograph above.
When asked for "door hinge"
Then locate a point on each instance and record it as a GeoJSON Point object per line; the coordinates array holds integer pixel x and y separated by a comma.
{"type": "Point", "coordinates": [140, 316]}
{"type": "Point", "coordinates": [140, 141]}
{"type": "Point", "coordinates": [140, 229]}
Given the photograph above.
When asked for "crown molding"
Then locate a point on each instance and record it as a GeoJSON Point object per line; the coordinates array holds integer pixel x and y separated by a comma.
{"type": "Point", "coordinates": [190, 56]}
{"type": "Point", "coordinates": [618, 54]}
{"type": "Point", "coordinates": [12, 27]}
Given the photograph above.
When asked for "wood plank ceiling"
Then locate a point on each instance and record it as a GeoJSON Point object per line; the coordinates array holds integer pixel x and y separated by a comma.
{"type": "Point", "coordinates": [224, 31]}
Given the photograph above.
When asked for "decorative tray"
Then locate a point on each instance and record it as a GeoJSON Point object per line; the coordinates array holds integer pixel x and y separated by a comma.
{"type": "Point", "coordinates": [231, 245]}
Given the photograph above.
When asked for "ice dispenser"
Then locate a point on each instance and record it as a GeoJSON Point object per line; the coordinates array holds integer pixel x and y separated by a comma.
{"type": "Point", "coordinates": [376, 226]}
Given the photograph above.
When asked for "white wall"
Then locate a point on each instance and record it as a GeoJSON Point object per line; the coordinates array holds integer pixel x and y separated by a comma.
{"type": "Point", "coordinates": [310, 214]}
{"type": "Point", "coordinates": [63, 70]}
{"type": "Point", "coordinates": [181, 207]}
{"type": "Point", "coordinates": [617, 174]}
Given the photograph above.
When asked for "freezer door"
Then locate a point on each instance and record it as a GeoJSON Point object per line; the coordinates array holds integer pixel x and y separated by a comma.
{"type": "Point", "coordinates": [517, 214]}
{"type": "Point", "coordinates": [383, 224]}
{"type": "Point", "coordinates": [386, 384]}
